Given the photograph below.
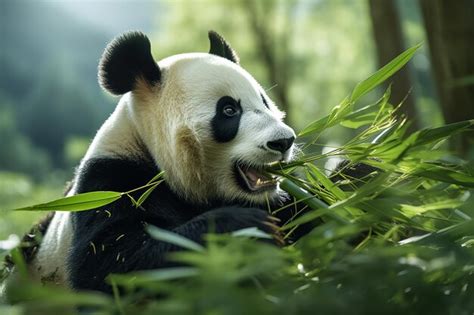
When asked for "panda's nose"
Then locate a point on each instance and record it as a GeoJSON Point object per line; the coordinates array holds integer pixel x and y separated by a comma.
{"type": "Point", "coordinates": [281, 145]}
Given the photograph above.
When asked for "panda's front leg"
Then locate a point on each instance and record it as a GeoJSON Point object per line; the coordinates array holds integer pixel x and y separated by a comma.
{"type": "Point", "coordinates": [229, 219]}
{"type": "Point", "coordinates": [124, 245]}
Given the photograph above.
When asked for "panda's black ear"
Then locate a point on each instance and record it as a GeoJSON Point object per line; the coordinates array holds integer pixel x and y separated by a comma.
{"type": "Point", "coordinates": [220, 47]}
{"type": "Point", "coordinates": [125, 60]}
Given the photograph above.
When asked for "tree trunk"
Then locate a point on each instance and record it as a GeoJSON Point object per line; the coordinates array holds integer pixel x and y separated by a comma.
{"type": "Point", "coordinates": [276, 71]}
{"type": "Point", "coordinates": [389, 41]}
{"type": "Point", "coordinates": [450, 31]}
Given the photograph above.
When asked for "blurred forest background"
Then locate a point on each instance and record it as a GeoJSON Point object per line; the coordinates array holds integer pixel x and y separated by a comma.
{"type": "Point", "coordinates": [308, 54]}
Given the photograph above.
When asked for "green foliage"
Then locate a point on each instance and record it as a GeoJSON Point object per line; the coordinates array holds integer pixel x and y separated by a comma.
{"type": "Point", "coordinates": [95, 199]}
{"type": "Point", "coordinates": [344, 112]}
{"type": "Point", "coordinates": [383, 74]}
{"type": "Point", "coordinates": [80, 202]}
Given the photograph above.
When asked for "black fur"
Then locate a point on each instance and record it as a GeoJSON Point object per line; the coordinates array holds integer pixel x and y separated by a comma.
{"type": "Point", "coordinates": [221, 48]}
{"type": "Point", "coordinates": [357, 174]}
{"type": "Point", "coordinates": [112, 239]}
{"type": "Point", "coordinates": [125, 59]}
{"type": "Point", "coordinates": [224, 127]}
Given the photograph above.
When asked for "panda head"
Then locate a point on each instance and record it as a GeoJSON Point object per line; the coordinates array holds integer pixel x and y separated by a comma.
{"type": "Point", "coordinates": [204, 120]}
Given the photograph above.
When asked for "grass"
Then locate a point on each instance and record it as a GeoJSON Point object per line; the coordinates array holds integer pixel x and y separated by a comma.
{"type": "Point", "coordinates": [399, 241]}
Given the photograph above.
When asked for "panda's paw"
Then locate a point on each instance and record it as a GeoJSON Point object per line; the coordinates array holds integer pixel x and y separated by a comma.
{"type": "Point", "coordinates": [231, 219]}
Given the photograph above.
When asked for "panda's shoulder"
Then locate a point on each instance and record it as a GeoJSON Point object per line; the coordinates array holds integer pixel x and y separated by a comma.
{"type": "Point", "coordinates": [114, 173]}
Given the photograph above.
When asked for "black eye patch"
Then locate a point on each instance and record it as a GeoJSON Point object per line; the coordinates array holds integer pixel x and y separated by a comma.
{"type": "Point", "coordinates": [225, 122]}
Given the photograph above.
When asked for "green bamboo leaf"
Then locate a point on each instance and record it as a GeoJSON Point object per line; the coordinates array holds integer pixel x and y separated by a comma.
{"type": "Point", "coordinates": [44, 297]}
{"type": "Point", "coordinates": [156, 177]}
{"type": "Point", "coordinates": [385, 134]}
{"type": "Point", "coordinates": [412, 210]}
{"type": "Point", "coordinates": [173, 238]}
{"type": "Point", "coordinates": [147, 193]}
{"type": "Point", "coordinates": [134, 202]}
{"type": "Point", "coordinates": [429, 135]}
{"type": "Point", "coordinates": [308, 217]}
{"type": "Point", "coordinates": [251, 232]}
{"type": "Point", "coordinates": [326, 182]}
{"type": "Point", "coordinates": [373, 186]}
{"type": "Point", "coordinates": [79, 202]}
{"type": "Point", "coordinates": [383, 74]}
{"type": "Point", "coordinates": [445, 174]}
{"type": "Point", "coordinates": [369, 114]}
{"type": "Point", "coordinates": [337, 114]}
{"type": "Point", "coordinates": [144, 277]}
{"type": "Point", "coordinates": [320, 207]}
{"type": "Point", "coordinates": [346, 116]}
{"type": "Point", "coordinates": [452, 233]}
{"type": "Point", "coordinates": [360, 120]}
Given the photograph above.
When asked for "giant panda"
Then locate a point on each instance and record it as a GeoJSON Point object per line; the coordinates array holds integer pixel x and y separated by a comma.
{"type": "Point", "coordinates": [200, 118]}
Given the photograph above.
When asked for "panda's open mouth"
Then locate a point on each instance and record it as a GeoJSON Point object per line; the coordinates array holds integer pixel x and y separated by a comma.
{"type": "Point", "coordinates": [254, 179]}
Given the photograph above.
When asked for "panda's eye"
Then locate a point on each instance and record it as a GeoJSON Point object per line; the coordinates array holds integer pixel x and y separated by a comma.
{"type": "Point", "coordinates": [228, 107]}
{"type": "Point", "coordinates": [230, 110]}
{"type": "Point", "coordinates": [226, 121]}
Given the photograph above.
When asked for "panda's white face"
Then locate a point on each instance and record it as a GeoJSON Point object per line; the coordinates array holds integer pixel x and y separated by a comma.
{"type": "Point", "coordinates": [205, 120]}
{"type": "Point", "coordinates": [212, 128]}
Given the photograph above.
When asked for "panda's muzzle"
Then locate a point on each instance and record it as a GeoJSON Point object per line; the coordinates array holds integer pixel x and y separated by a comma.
{"type": "Point", "coordinates": [253, 179]}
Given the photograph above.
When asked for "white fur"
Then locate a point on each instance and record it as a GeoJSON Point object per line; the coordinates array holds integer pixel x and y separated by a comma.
{"type": "Point", "coordinates": [50, 262]}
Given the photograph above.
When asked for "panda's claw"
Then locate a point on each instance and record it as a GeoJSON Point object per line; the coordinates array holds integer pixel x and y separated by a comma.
{"type": "Point", "coordinates": [276, 233]}
{"type": "Point", "coordinates": [274, 219]}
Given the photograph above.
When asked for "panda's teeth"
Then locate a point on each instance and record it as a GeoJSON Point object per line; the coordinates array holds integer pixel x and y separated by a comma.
{"type": "Point", "coordinates": [254, 180]}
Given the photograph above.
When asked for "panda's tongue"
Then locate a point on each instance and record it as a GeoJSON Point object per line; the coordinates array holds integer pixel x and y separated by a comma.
{"type": "Point", "coordinates": [252, 175]}
{"type": "Point", "coordinates": [255, 179]}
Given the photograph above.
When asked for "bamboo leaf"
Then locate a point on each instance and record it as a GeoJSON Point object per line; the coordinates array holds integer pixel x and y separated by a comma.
{"type": "Point", "coordinates": [346, 116]}
{"type": "Point", "coordinates": [147, 193]}
{"type": "Point", "coordinates": [383, 74]}
{"type": "Point", "coordinates": [320, 207]}
{"type": "Point", "coordinates": [337, 114]}
{"type": "Point", "coordinates": [173, 238]}
{"type": "Point", "coordinates": [43, 297]}
{"type": "Point", "coordinates": [452, 232]}
{"type": "Point", "coordinates": [326, 182]}
{"type": "Point", "coordinates": [134, 202]}
{"type": "Point", "coordinates": [79, 202]}
{"type": "Point", "coordinates": [370, 113]}
{"type": "Point", "coordinates": [156, 177]}
{"type": "Point", "coordinates": [143, 277]}
{"type": "Point", "coordinates": [445, 174]}
{"type": "Point", "coordinates": [429, 135]}
{"type": "Point", "coordinates": [251, 232]}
